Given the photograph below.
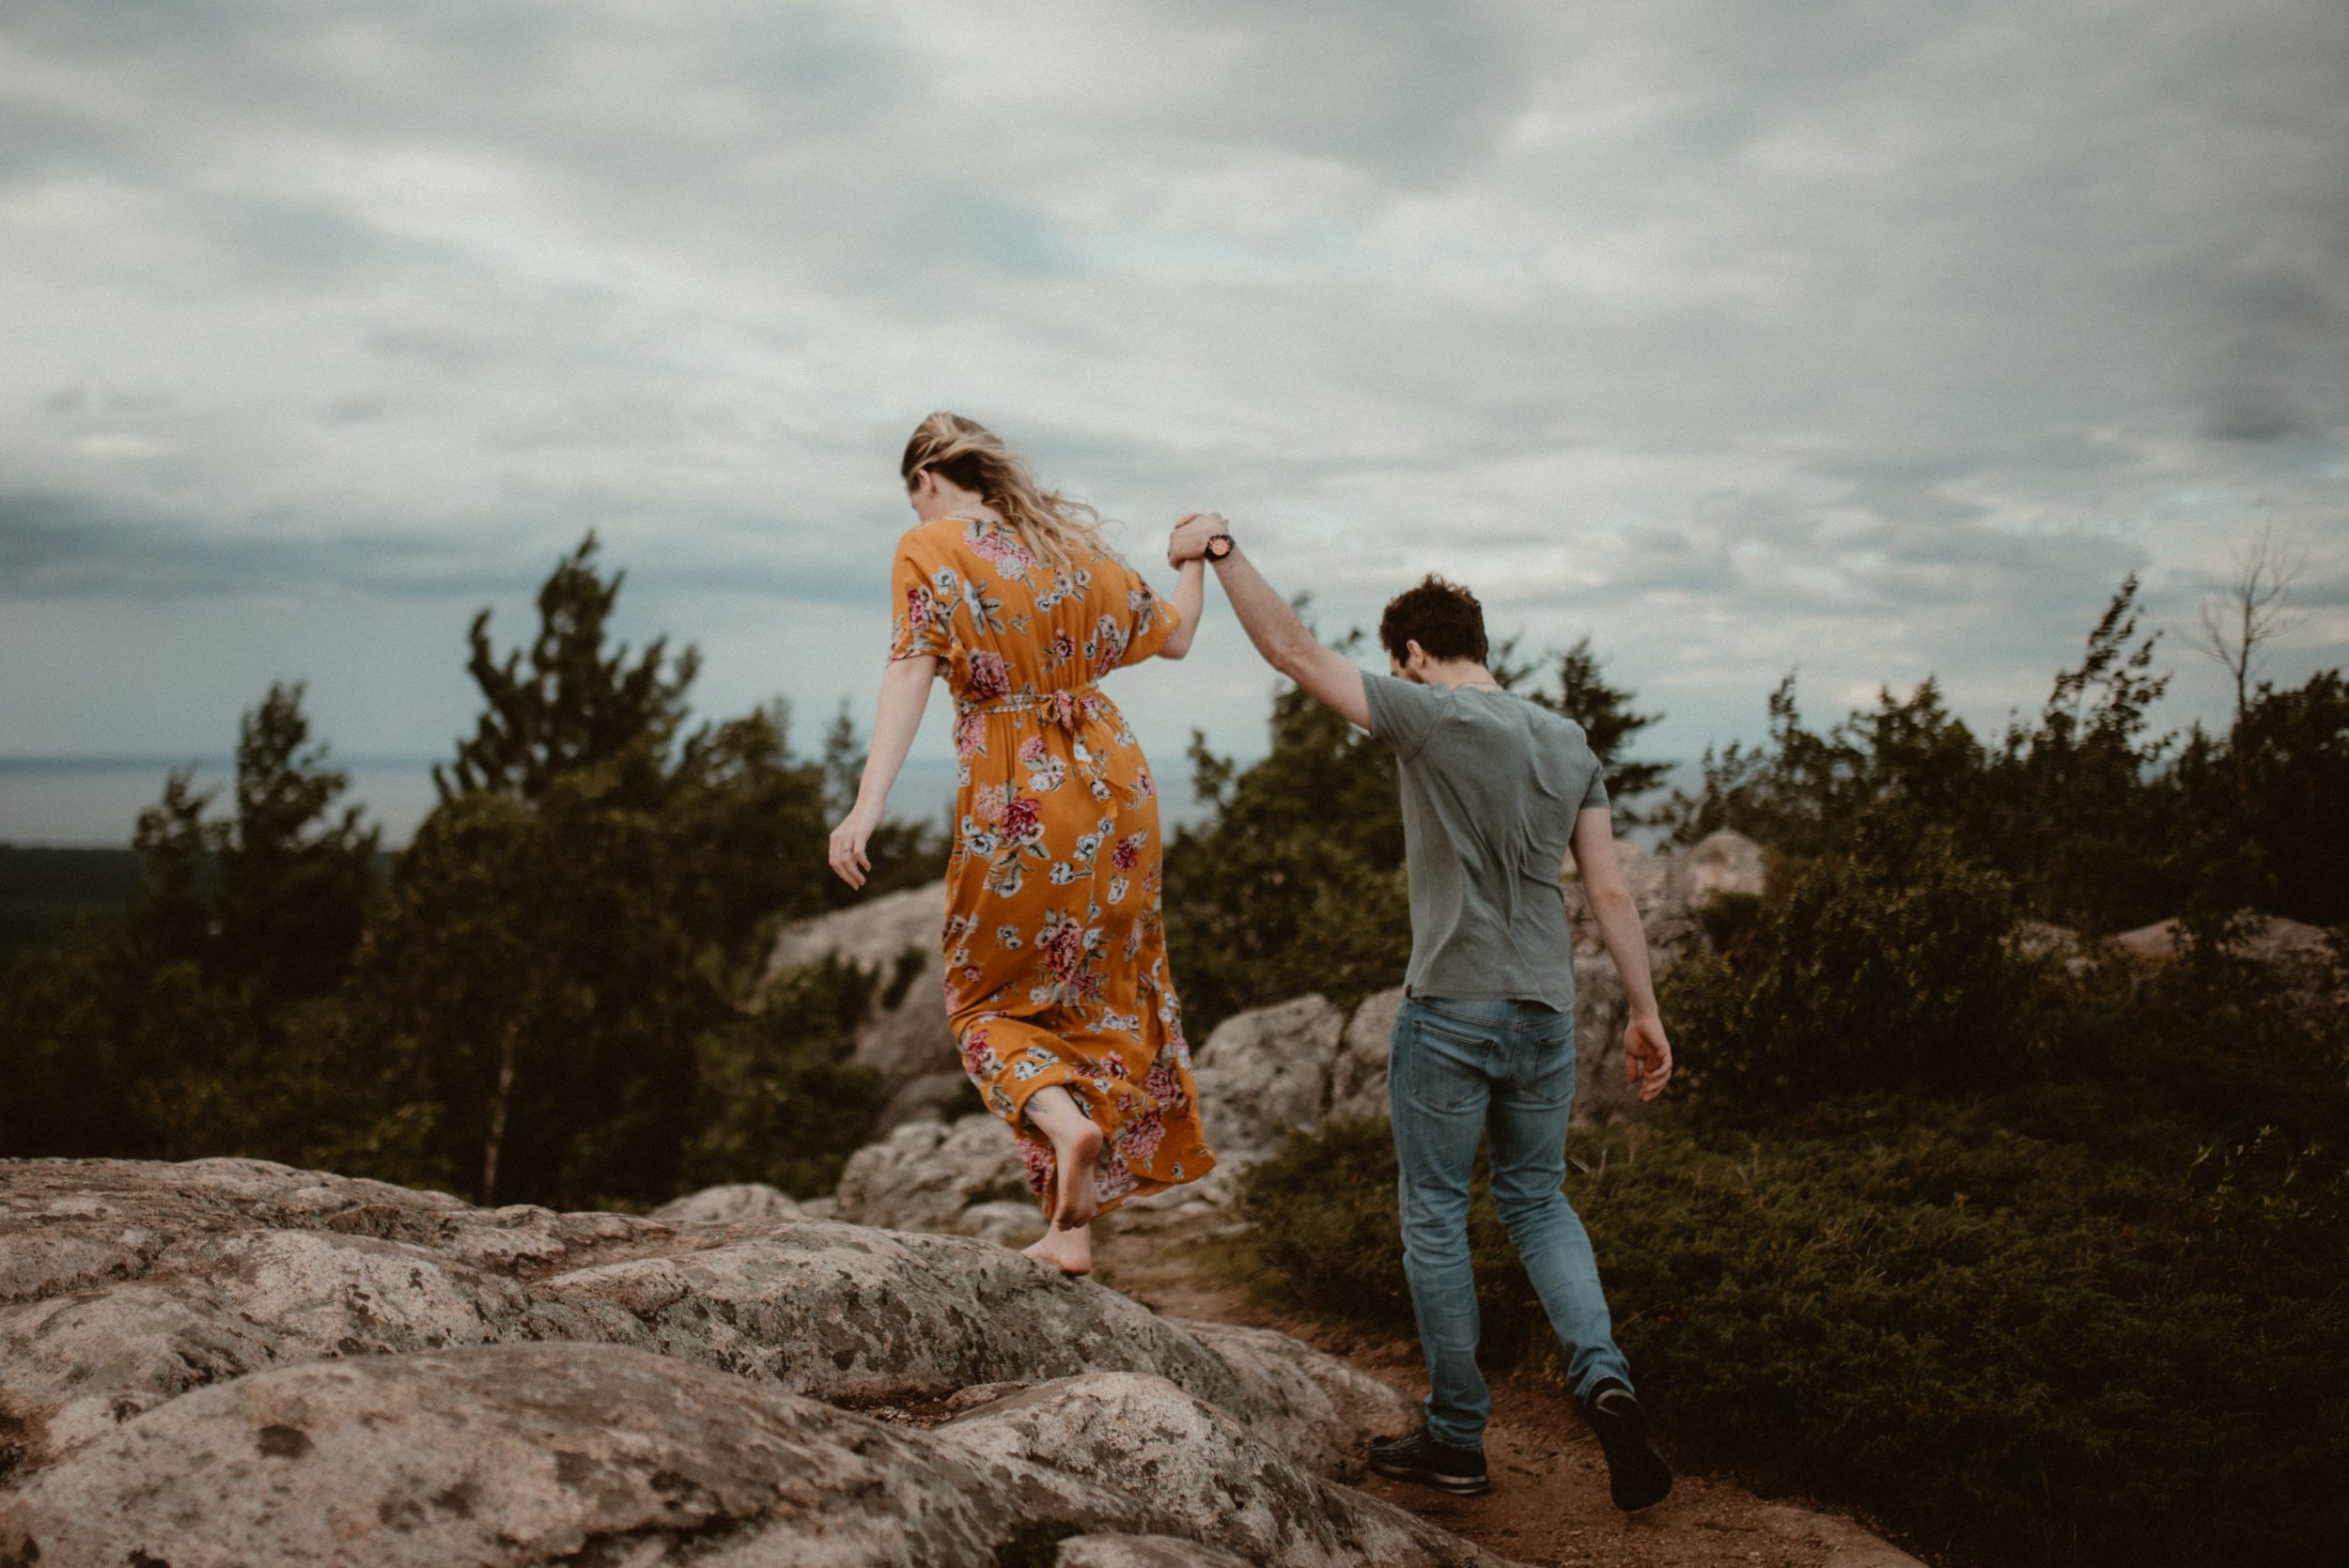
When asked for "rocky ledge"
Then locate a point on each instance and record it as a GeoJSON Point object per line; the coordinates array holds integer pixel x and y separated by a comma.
{"type": "Point", "coordinates": [231, 1362]}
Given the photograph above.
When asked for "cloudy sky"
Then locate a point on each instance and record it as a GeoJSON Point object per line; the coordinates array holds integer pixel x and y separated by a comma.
{"type": "Point", "coordinates": [1873, 339]}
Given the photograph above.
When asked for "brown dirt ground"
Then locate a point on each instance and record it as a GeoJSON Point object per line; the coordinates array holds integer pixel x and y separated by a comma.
{"type": "Point", "coordinates": [1549, 1505]}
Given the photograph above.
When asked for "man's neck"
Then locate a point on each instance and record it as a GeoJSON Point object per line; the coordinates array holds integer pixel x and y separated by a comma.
{"type": "Point", "coordinates": [1456, 673]}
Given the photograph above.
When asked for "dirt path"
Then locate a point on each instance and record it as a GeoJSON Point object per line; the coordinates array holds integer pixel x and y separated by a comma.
{"type": "Point", "coordinates": [1549, 1505]}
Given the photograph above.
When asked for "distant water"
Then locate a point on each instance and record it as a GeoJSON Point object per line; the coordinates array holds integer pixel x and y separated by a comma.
{"type": "Point", "coordinates": [94, 802]}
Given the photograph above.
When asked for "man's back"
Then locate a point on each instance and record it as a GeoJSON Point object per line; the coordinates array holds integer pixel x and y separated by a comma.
{"type": "Point", "coordinates": [1491, 787]}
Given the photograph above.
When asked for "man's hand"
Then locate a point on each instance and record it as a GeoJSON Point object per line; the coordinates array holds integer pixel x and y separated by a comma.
{"type": "Point", "coordinates": [1647, 1056]}
{"type": "Point", "coordinates": [1189, 542]}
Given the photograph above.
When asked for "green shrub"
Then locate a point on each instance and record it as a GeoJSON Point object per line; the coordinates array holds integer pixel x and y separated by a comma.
{"type": "Point", "coordinates": [776, 1098]}
{"type": "Point", "coordinates": [2009, 1346]}
{"type": "Point", "coordinates": [1888, 965]}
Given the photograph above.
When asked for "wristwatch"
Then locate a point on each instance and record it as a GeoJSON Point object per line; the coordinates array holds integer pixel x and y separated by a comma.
{"type": "Point", "coordinates": [1219, 545]}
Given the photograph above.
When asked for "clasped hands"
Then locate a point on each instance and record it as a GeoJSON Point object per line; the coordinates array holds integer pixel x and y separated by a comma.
{"type": "Point", "coordinates": [1189, 541]}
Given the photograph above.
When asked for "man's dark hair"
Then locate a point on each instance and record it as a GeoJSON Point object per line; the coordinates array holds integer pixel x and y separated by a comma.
{"type": "Point", "coordinates": [1442, 618]}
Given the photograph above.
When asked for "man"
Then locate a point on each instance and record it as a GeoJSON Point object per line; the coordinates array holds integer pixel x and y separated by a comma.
{"type": "Point", "coordinates": [1495, 790]}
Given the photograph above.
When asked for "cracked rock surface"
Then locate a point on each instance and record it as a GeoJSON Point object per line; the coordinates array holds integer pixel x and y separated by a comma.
{"type": "Point", "coordinates": [231, 1362]}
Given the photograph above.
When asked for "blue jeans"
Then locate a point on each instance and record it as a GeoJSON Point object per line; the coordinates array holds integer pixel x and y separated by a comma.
{"type": "Point", "coordinates": [1456, 1070]}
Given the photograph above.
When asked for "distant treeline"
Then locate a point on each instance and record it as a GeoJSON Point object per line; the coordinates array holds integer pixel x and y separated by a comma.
{"type": "Point", "coordinates": [43, 892]}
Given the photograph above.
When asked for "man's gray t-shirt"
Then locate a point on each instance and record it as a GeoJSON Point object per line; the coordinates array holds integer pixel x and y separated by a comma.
{"type": "Point", "coordinates": [1492, 784]}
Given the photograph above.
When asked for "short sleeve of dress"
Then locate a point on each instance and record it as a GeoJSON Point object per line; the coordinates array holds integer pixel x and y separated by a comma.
{"type": "Point", "coordinates": [919, 623]}
{"type": "Point", "coordinates": [1150, 620]}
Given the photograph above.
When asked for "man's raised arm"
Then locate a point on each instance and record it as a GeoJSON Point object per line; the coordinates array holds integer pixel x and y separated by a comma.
{"type": "Point", "coordinates": [1325, 674]}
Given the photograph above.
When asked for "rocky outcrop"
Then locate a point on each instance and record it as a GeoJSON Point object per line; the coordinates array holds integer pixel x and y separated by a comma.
{"type": "Point", "coordinates": [229, 1360]}
{"type": "Point", "coordinates": [544, 1454]}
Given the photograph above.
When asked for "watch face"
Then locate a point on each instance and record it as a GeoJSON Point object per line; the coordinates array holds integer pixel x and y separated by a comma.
{"type": "Point", "coordinates": [1220, 545]}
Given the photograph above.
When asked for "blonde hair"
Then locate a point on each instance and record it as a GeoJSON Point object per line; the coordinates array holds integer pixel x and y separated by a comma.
{"type": "Point", "coordinates": [1056, 529]}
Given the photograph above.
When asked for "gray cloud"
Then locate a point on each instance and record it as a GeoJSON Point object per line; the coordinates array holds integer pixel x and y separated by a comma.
{"type": "Point", "coordinates": [1879, 338]}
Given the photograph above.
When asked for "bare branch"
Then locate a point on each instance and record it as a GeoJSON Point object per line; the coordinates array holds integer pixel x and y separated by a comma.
{"type": "Point", "coordinates": [2237, 624]}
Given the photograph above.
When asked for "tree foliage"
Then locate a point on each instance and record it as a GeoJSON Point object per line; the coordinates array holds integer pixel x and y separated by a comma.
{"type": "Point", "coordinates": [549, 999]}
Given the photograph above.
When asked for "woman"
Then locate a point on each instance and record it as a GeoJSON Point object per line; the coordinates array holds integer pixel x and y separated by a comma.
{"type": "Point", "coordinates": [1056, 978]}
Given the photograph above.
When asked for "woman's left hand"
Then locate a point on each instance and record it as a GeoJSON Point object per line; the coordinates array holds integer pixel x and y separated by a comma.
{"type": "Point", "coordinates": [848, 860]}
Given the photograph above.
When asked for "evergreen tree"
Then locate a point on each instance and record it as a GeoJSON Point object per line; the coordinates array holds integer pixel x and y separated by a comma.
{"type": "Point", "coordinates": [187, 1027]}
{"type": "Point", "coordinates": [577, 703]}
{"type": "Point", "coordinates": [1609, 723]}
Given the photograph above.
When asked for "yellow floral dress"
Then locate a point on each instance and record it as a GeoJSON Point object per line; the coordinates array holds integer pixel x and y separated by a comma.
{"type": "Point", "coordinates": [1055, 951]}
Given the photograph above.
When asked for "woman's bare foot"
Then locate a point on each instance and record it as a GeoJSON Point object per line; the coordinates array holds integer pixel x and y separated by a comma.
{"type": "Point", "coordinates": [1076, 1153]}
{"type": "Point", "coordinates": [1070, 1250]}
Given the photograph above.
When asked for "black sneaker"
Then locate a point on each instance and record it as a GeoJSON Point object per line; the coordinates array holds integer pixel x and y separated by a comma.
{"type": "Point", "coordinates": [1637, 1476]}
{"type": "Point", "coordinates": [1422, 1458]}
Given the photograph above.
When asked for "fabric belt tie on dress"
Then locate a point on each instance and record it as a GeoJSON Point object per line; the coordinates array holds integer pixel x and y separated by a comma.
{"type": "Point", "coordinates": [1064, 709]}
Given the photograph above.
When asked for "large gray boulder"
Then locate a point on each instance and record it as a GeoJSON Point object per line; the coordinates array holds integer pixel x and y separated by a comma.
{"type": "Point", "coordinates": [904, 1039]}
{"type": "Point", "coordinates": [1670, 891]}
{"type": "Point", "coordinates": [1204, 1477]}
{"type": "Point", "coordinates": [1265, 1072]}
{"type": "Point", "coordinates": [268, 1359]}
{"type": "Point", "coordinates": [952, 1178]}
{"type": "Point", "coordinates": [539, 1455]}
{"type": "Point", "coordinates": [734, 1203]}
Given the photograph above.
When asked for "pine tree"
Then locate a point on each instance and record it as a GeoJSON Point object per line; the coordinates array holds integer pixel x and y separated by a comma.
{"type": "Point", "coordinates": [576, 704]}
{"type": "Point", "coordinates": [1610, 724]}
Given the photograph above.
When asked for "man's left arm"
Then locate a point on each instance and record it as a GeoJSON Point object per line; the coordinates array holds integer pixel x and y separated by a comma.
{"type": "Point", "coordinates": [1325, 674]}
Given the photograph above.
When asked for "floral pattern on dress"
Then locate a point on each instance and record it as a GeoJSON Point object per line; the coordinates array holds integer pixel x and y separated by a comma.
{"type": "Point", "coordinates": [1056, 969]}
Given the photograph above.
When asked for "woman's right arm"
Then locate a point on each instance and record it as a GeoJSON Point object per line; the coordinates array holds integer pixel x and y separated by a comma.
{"type": "Point", "coordinates": [905, 692]}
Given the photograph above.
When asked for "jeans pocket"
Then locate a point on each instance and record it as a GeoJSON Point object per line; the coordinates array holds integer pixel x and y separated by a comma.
{"type": "Point", "coordinates": [1545, 1077]}
{"type": "Point", "coordinates": [1449, 1067]}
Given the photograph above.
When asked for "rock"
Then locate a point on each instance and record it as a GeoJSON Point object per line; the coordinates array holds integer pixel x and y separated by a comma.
{"type": "Point", "coordinates": [538, 1454]}
{"type": "Point", "coordinates": [1202, 1473]}
{"type": "Point", "coordinates": [150, 1283]}
{"type": "Point", "coordinates": [526, 1454]}
{"type": "Point", "coordinates": [1141, 1551]}
{"type": "Point", "coordinates": [924, 1175]}
{"type": "Point", "coordinates": [905, 1038]}
{"type": "Point", "coordinates": [1320, 1398]}
{"type": "Point", "coordinates": [2267, 939]}
{"type": "Point", "coordinates": [2039, 939]}
{"type": "Point", "coordinates": [863, 1318]}
{"type": "Point", "coordinates": [1266, 1073]}
{"type": "Point", "coordinates": [737, 1203]}
{"type": "Point", "coordinates": [1005, 1221]}
{"type": "Point", "coordinates": [926, 1097]}
{"type": "Point", "coordinates": [1601, 1011]}
{"type": "Point", "coordinates": [1357, 1078]}
{"type": "Point", "coordinates": [1670, 891]}
{"type": "Point", "coordinates": [1724, 863]}
{"type": "Point", "coordinates": [825, 1208]}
